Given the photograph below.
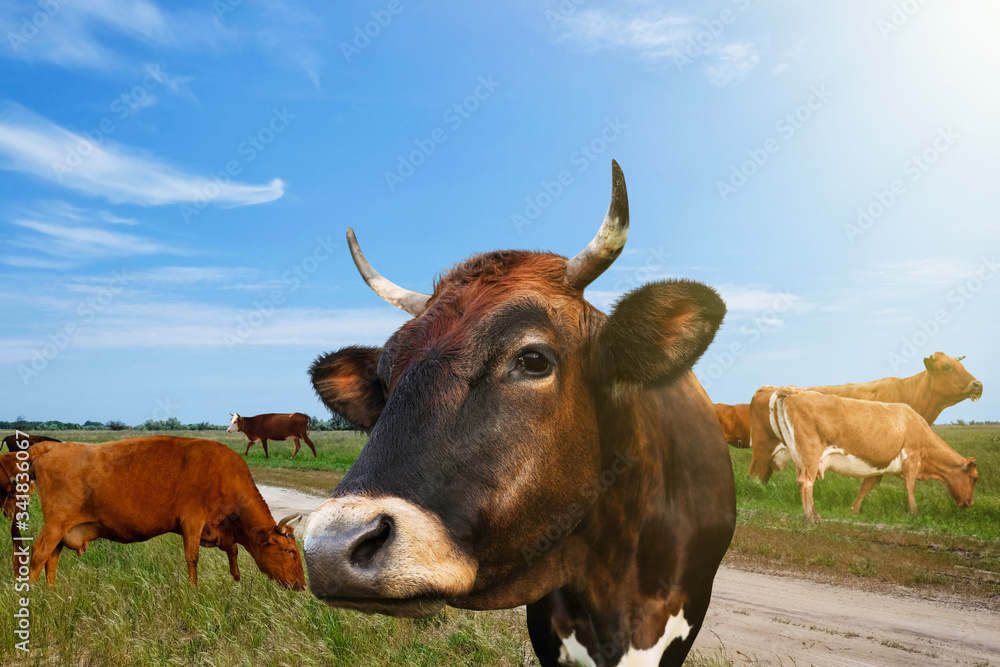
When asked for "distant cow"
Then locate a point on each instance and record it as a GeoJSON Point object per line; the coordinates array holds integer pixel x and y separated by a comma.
{"type": "Point", "coordinates": [735, 423]}
{"type": "Point", "coordinates": [11, 441]}
{"type": "Point", "coordinates": [864, 440]}
{"type": "Point", "coordinates": [262, 428]}
{"type": "Point", "coordinates": [134, 489]}
{"type": "Point", "coordinates": [943, 383]}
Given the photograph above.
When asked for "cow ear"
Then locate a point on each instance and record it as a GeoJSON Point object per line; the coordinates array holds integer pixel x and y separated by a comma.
{"type": "Point", "coordinates": [347, 383]}
{"type": "Point", "coordinates": [929, 364]}
{"type": "Point", "coordinates": [970, 464]}
{"type": "Point", "coordinates": [261, 536]}
{"type": "Point", "coordinates": [657, 332]}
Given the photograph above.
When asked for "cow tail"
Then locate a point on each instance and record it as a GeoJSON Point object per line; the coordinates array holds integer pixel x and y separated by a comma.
{"type": "Point", "coordinates": [36, 452]}
{"type": "Point", "coordinates": [779, 420]}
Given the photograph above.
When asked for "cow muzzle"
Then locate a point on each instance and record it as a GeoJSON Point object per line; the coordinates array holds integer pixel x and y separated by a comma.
{"type": "Point", "coordinates": [976, 391]}
{"type": "Point", "coordinates": [384, 555]}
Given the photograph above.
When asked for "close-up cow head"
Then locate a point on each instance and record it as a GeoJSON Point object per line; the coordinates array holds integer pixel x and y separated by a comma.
{"type": "Point", "coordinates": [235, 424]}
{"type": "Point", "coordinates": [277, 554]}
{"type": "Point", "coordinates": [950, 380]}
{"type": "Point", "coordinates": [486, 413]}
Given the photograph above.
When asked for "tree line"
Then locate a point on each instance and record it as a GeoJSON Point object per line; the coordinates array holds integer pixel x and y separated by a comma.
{"type": "Point", "coordinates": [335, 423]}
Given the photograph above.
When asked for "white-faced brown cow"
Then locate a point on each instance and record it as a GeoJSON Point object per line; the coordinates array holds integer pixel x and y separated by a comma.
{"type": "Point", "coordinates": [526, 448]}
{"type": "Point", "coordinates": [261, 428]}
{"type": "Point", "coordinates": [864, 440]}
{"type": "Point", "coordinates": [943, 383]}
{"type": "Point", "coordinates": [134, 489]}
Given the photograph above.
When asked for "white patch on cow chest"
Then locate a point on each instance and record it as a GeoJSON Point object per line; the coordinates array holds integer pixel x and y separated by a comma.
{"type": "Point", "coordinates": [849, 465]}
{"type": "Point", "coordinates": [573, 652]}
{"type": "Point", "coordinates": [676, 628]}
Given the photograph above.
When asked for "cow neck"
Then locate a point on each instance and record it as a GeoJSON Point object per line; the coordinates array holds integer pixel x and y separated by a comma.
{"type": "Point", "coordinates": [252, 514]}
{"type": "Point", "coordinates": [624, 583]}
{"type": "Point", "coordinates": [918, 394]}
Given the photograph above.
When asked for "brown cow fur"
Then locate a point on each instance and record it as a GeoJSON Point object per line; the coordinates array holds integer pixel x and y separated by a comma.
{"type": "Point", "coordinates": [735, 423]}
{"type": "Point", "coordinates": [134, 489]}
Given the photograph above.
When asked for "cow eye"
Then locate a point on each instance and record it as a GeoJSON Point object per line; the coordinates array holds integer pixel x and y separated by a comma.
{"type": "Point", "coordinates": [533, 362]}
{"type": "Point", "coordinates": [947, 368]}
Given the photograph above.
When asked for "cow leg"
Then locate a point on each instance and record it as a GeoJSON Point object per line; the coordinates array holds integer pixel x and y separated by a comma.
{"type": "Point", "coordinates": [49, 540]}
{"type": "Point", "coordinates": [295, 442]}
{"type": "Point", "coordinates": [544, 639]}
{"type": "Point", "coordinates": [263, 443]}
{"type": "Point", "coordinates": [247, 450]}
{"type": "Point", "coordinates": [867, 484]}
{"type": "Point", "coordinates": [310, 443]}
{"type": "Point", "coordinates": [234, 568]}
{"type": "Point", "coordinates": [808, 505]}
{"type": "Point", "coordinates": [50, 566]}
{"type": "Point", "coordinates": [191, 533]}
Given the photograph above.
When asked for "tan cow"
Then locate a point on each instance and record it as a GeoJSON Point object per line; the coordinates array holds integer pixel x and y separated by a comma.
{"type": "Point", "coordinates": [735, 423]}
{"type": "Point", "coordinates": [134, 489]}
{"type": "Point", "coordinates": [864, 440]}
{"type": "Point", "coordinates": [943, 383]}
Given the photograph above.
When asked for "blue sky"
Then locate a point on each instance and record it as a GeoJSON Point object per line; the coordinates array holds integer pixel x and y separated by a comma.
{"type": "Point", "coordinates": [176, 180]}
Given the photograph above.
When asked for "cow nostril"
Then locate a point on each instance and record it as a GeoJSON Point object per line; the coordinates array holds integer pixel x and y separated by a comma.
{"type": "Point", "coordinates": [365, 551]}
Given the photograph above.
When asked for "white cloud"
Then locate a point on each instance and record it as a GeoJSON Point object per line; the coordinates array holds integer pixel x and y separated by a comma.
{"type": "Point", "coordinates": [77, 242]}
{"type": "Point", "coordinates": [735, 61]}
{"type": "Point", "coordinates": [657, 36]}
{"type": "Point", "coordinates": [72, 32]}
{"type": "Point", "coordinates": [127, 323]}
{"type": "Point", "coordinates": [35, 145]}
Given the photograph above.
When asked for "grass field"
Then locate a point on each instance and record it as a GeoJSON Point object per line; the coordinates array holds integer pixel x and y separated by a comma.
{"type": "Point", "coordinates": [130, 604]}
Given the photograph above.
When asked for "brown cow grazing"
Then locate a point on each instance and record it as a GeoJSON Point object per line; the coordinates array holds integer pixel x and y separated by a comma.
{"type": "Point", "coordinates": [735, 423]}
{"type": "Point", "coordinates": [134, 489]}
{"type": "Point", "coordinates": [12, 442]}
{"type": "Point", "coordinates": [865, 440]}
{"type": "Point", "coordinates": [943, 383]}
{"type": "Point", "coordinates": [262, 428]}
{"type": "Point", "coordinates": [525, 448]}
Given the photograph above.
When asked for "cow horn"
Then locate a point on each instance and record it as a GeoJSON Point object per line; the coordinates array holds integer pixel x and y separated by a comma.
{"type": "Point", "coordinates": [414, 303]}
{"type": "Point", "coordinates": [600, 253]}
{"type": "Point", "coordinates": [287, 525]}
{"type": "Point", "coordinates": [960, 358]}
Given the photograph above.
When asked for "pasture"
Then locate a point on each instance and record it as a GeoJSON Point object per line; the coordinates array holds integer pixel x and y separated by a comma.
{"type": "Point", "coordinates": [130, 604]}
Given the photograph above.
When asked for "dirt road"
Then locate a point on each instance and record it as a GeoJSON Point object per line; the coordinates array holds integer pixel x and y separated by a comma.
{"type": "Point", "coordinates": [763, 619]}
